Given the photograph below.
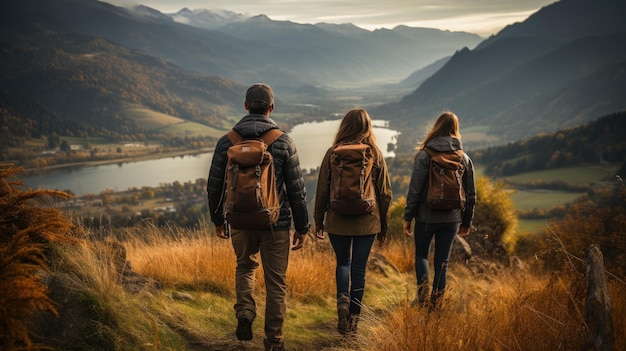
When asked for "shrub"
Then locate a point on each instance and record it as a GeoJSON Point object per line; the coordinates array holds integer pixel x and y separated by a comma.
{"type": "Point", "coordinates": [25, 229]}
{"type": "Point", "coordinates": [597, 218]}
{"type": "Point", "coordinates": [495, 215]}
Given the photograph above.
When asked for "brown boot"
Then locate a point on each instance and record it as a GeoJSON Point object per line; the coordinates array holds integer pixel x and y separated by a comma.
{"type": "Point", "coordinates": [343, 312]}
{"type": "Point", "coordinates": [273, 345]}
{"type": "Point", "coordinates": [353, 321]}
{"type": "Point", "coordinates": [435, 301]}
{"type": "Point", "coordinates": [421, 297]}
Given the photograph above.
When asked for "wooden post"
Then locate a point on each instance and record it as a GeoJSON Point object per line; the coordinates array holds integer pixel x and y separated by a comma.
{"type": "Point", "coordinates": [598, 302]}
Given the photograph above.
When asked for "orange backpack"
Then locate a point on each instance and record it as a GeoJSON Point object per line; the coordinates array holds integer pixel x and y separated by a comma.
{"type": "Point", "coordinates": [252, 200]}
{"type": "Point", "coordinates": [445, 180]}
{"type": "Point", "coordinates": [352, 192]}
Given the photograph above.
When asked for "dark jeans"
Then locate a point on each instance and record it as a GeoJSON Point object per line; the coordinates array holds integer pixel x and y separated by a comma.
{"type": "Point", "coordinates": [352, 252]}
{"type": "Point", "coordinates": [444, 234]}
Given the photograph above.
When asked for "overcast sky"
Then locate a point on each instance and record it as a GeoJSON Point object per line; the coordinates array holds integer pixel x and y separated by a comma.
{"type": "Point", "coordinates": [483, 17]}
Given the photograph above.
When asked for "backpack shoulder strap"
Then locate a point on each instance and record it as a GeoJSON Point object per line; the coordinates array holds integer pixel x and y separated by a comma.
{"type": "Point", "coordinates": [268, 137]}
{"type": "Point", "coordinates": [234, 137]}
{"type": "Point", "coordinates": [271, 135]}
{"type": "Point", "coordinates": [430, 152]}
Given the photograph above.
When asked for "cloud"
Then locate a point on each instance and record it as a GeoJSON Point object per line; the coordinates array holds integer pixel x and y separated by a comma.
{"type": "Point", "coordinates": [480, 16]}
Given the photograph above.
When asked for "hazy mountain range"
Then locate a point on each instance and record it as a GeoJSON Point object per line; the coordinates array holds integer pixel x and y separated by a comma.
{"type": "Point", "coordinates": [87, 61]}
{"type": "Point", "coordinates": [90, 61]}
{"type": "Point", "coordinates": [564, 66]}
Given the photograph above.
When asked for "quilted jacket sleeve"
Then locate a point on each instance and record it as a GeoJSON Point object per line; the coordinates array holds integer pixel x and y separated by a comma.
{"type": "Point", "coordinates": [215, 183]}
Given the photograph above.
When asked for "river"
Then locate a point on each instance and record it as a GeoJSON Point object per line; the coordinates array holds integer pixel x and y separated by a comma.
{"type": "Point", "coordinates": [312, 140]}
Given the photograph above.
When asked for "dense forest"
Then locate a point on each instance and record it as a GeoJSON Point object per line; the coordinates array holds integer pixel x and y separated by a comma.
{"type": "Point", "coordinates": [599, 141]}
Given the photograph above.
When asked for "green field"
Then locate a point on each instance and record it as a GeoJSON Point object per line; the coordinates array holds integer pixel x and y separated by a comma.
{"type": "Point", "coordinates": [572, 175]}
{"type": "Point", "coordinates": [532, 225]}
{"type": "Point", "coordinates": [155, 120]}
{"type": "Point", "coordinates": [478, 134]}
{"type": "Point", "coordinates": [193, 129]}
{"type": "Point", "coordinates": [542, 199]}
{"type": "Point", "coordinates": [547, 198]}
{"type": "Point", "coordinates": [150, 119]}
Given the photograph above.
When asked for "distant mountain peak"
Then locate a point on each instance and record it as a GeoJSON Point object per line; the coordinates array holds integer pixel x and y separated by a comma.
{"type": "Point", "coordinates": [205, 18]}
{"type": "Point", "coordinates": [260, 18]}
{"type": "Point", "coordinates": [146, 11]}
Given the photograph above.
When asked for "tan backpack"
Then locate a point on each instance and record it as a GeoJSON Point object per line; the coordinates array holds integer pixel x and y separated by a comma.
{"type": "Point", "coordinates": [352, 191]}
{"type": "Point", "coordinates": [445, 180]}
{"type": "Point", "coordinates": [251, 200]}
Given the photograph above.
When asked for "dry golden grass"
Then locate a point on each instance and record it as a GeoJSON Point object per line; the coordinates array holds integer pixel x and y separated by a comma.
{"type": "Point", "coordinates": [400, 254]}
{"type": "Point", "coordinates": [197, 259]}
{"type": "Point", "coordinates": [502, 310]}
{"type": "Point", "coordinates": [25, 228]}
{"type": "Point", "coordinates": [182, 258]}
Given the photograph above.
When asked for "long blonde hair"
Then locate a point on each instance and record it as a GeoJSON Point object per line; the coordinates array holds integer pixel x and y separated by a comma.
{"type": "Point", "coordinates": [447, 124]}
{"type": "Point", "coordinates": [356, 125]}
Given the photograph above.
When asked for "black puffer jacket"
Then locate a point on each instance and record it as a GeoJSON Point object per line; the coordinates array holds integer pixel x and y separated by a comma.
{"type": "Point", "coordinates": [289, 181]}
{"type": "Point", "coordinates": [415, 206]}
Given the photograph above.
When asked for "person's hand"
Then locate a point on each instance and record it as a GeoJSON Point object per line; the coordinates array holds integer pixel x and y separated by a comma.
{"type": "Point", "coordinates": [320, 234]}
{"type": "Point", "coordinates": [298, 241]}
{"type": "Point", "coordinates": [464, 231]}
{"type": "Point", "coordinates": [221, 232]}
{"type": "Point", "coordinates": [406, 228]}
{"type": "Point", "coordinates": [382, 239]}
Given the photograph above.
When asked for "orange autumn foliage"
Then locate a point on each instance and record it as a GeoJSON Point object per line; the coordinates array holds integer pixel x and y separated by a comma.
{"type": "Point", "coordinates": [26, 226]}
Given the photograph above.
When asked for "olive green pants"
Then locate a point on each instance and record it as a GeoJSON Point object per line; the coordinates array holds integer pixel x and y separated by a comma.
{"type": "Point", "coordinates": [274, 247]}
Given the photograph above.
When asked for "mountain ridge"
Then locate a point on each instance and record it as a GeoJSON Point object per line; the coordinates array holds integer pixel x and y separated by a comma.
{"type": "Point", "coordinates": [514, 86]}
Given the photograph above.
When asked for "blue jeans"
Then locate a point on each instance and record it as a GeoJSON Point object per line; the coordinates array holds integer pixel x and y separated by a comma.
{"type": "Point", "coordinates": [444, 234]}
{"type": "Point", "coordinates": [351, 252]}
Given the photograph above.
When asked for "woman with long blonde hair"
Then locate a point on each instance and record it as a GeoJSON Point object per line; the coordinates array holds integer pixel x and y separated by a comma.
{"type": "Point", "coordinates": [352, 236]}
{"type": "Point", "coordinates": [443, 225]}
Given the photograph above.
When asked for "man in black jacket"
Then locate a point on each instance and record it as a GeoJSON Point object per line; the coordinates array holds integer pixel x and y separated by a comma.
{"type": "Point", "coordinates": [274, 244]}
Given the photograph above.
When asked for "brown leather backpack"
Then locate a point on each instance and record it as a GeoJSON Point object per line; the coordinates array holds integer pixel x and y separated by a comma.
{"type": "Point", "coordinates": [251, 197]}
{"type": "Point", "coordinates": [352, 191]}
{"type": "Point", "coordinates": [445, 180]}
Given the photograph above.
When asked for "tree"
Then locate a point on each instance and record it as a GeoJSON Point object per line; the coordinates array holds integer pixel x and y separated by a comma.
{"type": "Point", "coordinates": [495, 218]}
{"type": "Point", "coordinates": [65, 146]}
{"type": "Point", "coordinates": [53, 141]}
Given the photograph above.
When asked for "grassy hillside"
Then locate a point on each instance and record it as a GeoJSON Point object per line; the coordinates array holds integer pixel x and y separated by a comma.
{"type": "Point", "coordinates": [95, 84]}
{"type": "Point", "coordinates": [498, 308]}
{"type": "Point", "coordinates": [171, 288]}
{"type": "Point", "coordinates": [170, 125]}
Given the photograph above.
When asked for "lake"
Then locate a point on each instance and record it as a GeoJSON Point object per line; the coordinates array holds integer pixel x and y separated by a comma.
{"type": "Point", "coordinates": [312, 140]}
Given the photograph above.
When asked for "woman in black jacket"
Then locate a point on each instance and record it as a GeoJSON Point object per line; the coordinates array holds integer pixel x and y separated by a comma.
{"type": "Point", "coordinates": [443, 225]}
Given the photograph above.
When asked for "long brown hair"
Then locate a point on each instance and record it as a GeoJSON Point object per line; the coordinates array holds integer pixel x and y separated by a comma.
{"type": "Point", "coordinates": [447, 124]}
{"type": "Point", "coordinates": [356, 125]}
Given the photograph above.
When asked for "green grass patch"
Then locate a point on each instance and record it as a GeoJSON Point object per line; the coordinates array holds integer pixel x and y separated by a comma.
{"type": "Point", "coordinates": [572, 175]}
{"type": "Point", "coordinates": [150, 119]}
{"type": "Point", "coordinates": [193, 129]}
{"type": "Point", "coordinates": [82, 141]}
{"type": "Point", "coordinates": [169, 124]}
{"type": "Point", "coordinates": [478, 134]}
{"type": "Point", "coordinates": [532, 225]}
{"type": "Point", "coordinates": [542, 199]}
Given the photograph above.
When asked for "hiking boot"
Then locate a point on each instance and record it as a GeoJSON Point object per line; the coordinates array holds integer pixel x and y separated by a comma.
{"type": "Point", "coordinates": [353, 321]}
{"type": "Point", "coordinates": [421, 297]}
{"type": "Point", "coordinates": [435, 301]}
{"type": "Point", "coordinates": [244, 329]}
{"type": "Point", "coordinates": [273, 345]}
{"type": "Point", "coordinates": [343, 312]}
